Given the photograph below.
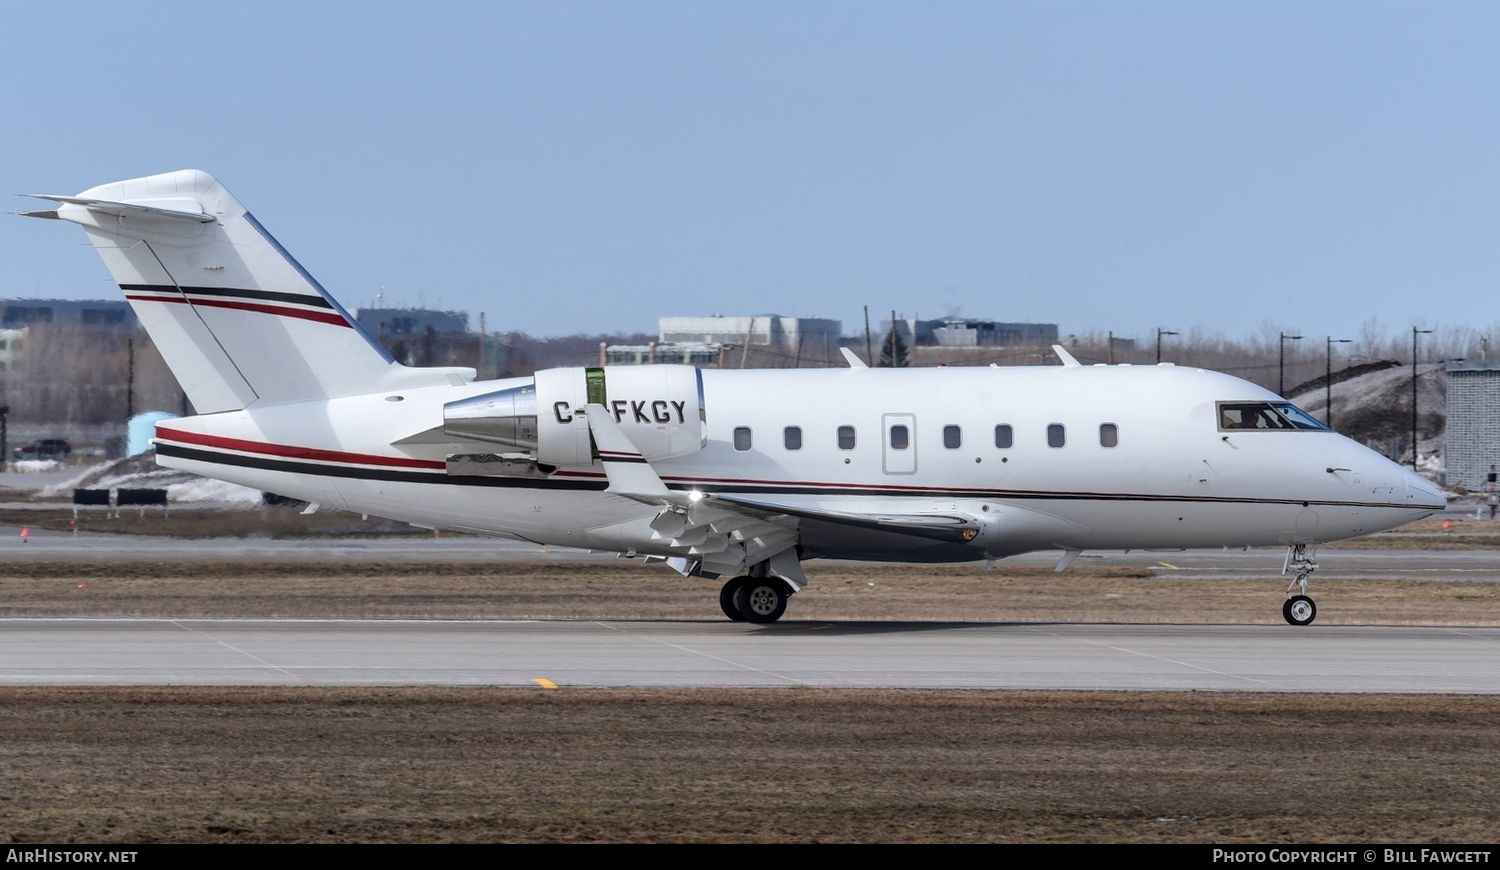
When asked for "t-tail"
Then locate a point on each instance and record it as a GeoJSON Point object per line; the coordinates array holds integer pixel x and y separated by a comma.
{"type": "Point", "coordinates": [235, 316]}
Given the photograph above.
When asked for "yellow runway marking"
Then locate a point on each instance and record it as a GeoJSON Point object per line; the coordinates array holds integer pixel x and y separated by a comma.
{"type": "Point", "coordinates": [1168, 565]}
{"type": "Point", "coordinates": [545, 683]}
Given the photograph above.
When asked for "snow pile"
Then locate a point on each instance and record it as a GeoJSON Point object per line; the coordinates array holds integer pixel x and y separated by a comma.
{"type": "Point", "coordinates": [85, 479]}
{"type": "Point", "coordinates": [141, 472]}
{"type": "Point", "coordinates": [35, 466]}
{"type": "Point", "coordinates": [1383, 388]}
{"type": "Point", "coordinates": [202, 489]}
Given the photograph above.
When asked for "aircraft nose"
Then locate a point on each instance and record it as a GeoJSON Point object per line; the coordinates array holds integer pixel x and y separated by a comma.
{"type": "Point", "coordinates": [1421, 493]}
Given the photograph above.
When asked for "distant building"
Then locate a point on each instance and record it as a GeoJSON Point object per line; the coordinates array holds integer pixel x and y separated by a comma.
{"type": "Point", "coordinates": [18, 317]}
{"type": "Point", "coordinates": [970, 332]}
{"type": "Point", "coordinates": [760, 330]}
{"type": "Point", "coordinates": [10, 348]}
{"type": "Point", "coordinates": [702, 341]}
{"type": "Point", "coordinates": [395, 324]}
{"type": "Point", "coordinates": [1471, 439]}
{"type": "Point", "coordinates": [977, 333]}
{"type": "Point", "coordinates": [688, 353]}
{"type": "Point", "coordinates": [429, 337]}
{"type": "Point", "coordinates": [108, 315]}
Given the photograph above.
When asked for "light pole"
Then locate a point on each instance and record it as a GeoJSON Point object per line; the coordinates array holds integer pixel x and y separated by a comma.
{"type": "Point", "coordinates": [1159, 333]}
{"type": "Point", "coordinates": [1328, 381]}
{"type": "Point", "coordinates": [1414, 333]}
{"type": "Point", "coordinates": [129, 378]}
{"type": "Point", "coordinates": [1281, 379]}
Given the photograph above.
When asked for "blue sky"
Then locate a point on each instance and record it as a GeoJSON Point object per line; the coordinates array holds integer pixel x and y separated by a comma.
{"type": "Point", "coordinates": [590, 166]}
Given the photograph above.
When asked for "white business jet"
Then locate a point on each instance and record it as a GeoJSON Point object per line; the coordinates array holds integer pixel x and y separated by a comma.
{"type": "Point", "coordinates": [720, 474]}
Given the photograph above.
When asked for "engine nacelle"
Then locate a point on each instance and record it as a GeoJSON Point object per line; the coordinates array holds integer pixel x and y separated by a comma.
{"type": "Point", "coordinates": [660, 407]}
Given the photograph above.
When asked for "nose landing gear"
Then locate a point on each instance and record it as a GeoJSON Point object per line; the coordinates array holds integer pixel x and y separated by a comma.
{"type": "Point", "coordinates": [1299, 609]}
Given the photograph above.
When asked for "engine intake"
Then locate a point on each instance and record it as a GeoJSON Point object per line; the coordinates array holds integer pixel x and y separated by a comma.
{"type": "Point", "coordinates": [660, 407]}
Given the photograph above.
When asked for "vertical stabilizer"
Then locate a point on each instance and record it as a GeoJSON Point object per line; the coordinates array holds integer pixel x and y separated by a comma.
{"type": "Point", "coordinates": [237, 319]}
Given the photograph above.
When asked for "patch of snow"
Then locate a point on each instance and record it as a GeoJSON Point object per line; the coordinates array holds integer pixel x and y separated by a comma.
{"type": "Point", "coordinates": [35, 466]}
{"type": "Point", "coordinates": [205, 490]}
{"type": "Point", "coordinates": [75, 482]}
{"type": "Point", "coordinates": [181, 486]}
{"type": "Point", "coordinates": [72, 483]}
{"type": "Point", "coordinates": [140, 479]}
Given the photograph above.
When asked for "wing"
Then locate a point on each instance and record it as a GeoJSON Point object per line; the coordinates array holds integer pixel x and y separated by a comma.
{"type": "Point", "coordinates": [718, 539]}
{"type": "Point", "coordinates": [725, 533]}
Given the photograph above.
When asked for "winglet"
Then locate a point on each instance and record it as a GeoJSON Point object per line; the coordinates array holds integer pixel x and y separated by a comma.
{"type": "Point", "coordinates": [628, 471]}
{"type": "Point", "coordinates": [853, 359]}
{"type": "Point", "coordinates": [1067, 358]}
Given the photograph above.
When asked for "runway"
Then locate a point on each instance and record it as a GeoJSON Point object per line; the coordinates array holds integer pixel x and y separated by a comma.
{"type": "Point", "coordinates": [310, 652]}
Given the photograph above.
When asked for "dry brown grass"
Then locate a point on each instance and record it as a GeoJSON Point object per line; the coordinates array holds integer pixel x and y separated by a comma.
{"type": "Point", "coordinates": [629, 590]}
{"type": "Point", "coordinates": [747, 766]}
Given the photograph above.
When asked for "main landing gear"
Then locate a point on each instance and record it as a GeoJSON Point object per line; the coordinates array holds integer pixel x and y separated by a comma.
{"type": "Point", "coordinates": [754, 599]}
{"type": "Point", "coordinates": [1298, 609]}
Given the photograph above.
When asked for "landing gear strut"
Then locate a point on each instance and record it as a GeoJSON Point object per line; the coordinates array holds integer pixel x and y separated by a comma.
{"type": "Point", "coordinates": [1298, 609]}
{"type": "Point", "coordinates": [754, 599]}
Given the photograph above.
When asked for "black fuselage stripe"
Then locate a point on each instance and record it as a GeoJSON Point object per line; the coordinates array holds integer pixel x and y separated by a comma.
{"type": "Point", "coordinates": [231, 293]}
{"type": "Point", "coordinates": [554, 483]}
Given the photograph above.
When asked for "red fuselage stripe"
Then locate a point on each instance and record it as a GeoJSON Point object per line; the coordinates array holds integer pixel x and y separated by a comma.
{"type": "Point", "coordinates": [266, 449]}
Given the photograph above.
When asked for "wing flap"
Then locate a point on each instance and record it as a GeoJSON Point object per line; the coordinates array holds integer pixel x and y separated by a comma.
{"type": "Point", "coordinates": [953, 528]}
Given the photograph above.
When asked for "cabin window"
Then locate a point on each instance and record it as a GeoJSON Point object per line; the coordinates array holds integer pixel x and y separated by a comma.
{"type": "Point", "coordinates": [1056, 436]}
{"type": "Point", "coordinates": [791, 437]}
{"type": "Point", "coordinates": [1109, 435]}
{"type": "Point", "coordinates": [742, 438]}
{"type": "Point", "coordinates": [846, 437]}
{"type": "Point", "coordinates": [1003, 436]}
{"type": "Point", "coordinates": [900, 438]}
{"type": "Point", "coordinates": [953, 437]}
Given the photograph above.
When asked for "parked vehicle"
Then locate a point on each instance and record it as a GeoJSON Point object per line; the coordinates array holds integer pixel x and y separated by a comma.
{"type": "Point", "coordinates": [44, 448]}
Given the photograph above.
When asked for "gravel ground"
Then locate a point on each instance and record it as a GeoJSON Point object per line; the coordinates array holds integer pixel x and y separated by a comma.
{"type": "Point", "coordinates": [747, 766]}
{"type": "Point", "coordinates": [630, 590]}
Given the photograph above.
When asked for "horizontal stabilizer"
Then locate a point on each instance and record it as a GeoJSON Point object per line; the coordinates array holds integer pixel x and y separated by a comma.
{"type": "Point", "coordinates": [172, 207]}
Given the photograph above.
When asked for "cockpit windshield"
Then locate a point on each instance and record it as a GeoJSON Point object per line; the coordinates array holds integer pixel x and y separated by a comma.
{"type": "Point", "coordinates": [1265, 415]}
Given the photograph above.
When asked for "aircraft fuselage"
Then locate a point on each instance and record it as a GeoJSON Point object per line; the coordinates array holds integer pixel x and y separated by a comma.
{"type": "Point", "coordinates": [1085, 457]}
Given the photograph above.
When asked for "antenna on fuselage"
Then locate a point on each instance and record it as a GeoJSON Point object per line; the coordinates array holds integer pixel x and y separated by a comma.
{"type": "Point", "coordinates": [1067, 358]}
